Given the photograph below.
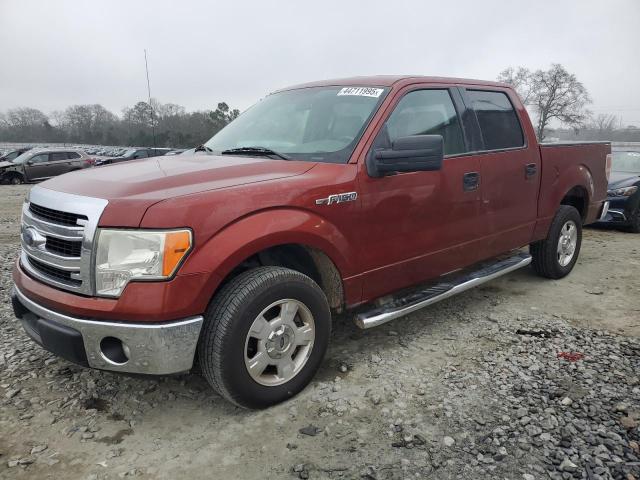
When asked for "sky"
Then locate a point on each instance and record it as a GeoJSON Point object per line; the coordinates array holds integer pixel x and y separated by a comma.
{"type": "Point", "coordinates": [57, 53]}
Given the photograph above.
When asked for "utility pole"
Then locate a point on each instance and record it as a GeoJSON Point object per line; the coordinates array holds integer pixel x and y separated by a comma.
{"type": "Point", "coordinates": [153, 123]}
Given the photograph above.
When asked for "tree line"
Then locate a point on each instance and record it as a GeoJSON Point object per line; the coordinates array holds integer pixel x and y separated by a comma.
{"type": "Point", "coordinates": [170, 124]}
{"type": "Point", "coordinates": [557, 100]}
{"type": "Point", "coordinates": [556, 97]}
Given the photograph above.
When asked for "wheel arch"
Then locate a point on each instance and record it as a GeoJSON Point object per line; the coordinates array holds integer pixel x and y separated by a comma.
{"type": "Point", "coordinates": [15, 174]}
{"type": "Point", "coordinates": [290, 238]}
{"type": "Point", "coordinates": [577, 197]}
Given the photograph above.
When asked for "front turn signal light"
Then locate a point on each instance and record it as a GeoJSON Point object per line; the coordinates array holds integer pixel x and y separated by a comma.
{"type": "Point", "coordinates": [176, 245]}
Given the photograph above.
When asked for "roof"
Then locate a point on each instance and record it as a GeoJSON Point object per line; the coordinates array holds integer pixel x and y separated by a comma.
{"type": "Point", "coordinates": [392, 80]}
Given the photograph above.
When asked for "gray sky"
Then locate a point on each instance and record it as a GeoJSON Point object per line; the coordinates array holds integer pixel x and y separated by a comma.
{"type": "Point", "coordinates": [57, 53]}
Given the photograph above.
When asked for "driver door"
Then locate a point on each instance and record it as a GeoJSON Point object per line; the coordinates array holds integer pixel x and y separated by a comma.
{"type": "Point", "coordinates": [37, 167]}
{"type": "Point", "coordinates": [420, 225]}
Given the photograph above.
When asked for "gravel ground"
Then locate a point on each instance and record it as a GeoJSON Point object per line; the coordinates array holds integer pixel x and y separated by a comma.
{"type": "Point", "coordinates": [523, 378]}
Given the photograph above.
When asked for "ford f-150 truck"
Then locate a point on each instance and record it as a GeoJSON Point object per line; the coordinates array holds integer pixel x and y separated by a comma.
{"type": "Point", "coordinates": [377, 196]}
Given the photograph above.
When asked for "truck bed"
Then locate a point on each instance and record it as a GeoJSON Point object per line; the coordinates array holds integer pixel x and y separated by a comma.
{"type": "Point", "coordinates": [567, 164]}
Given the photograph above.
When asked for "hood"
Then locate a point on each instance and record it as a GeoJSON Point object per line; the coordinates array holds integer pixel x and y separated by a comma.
{"type": "Point", "coordinates": [5, 164]}
{"type": "Point", "coordinates": [133, 186]}
{"type": "Point", "coordinates": [159, 178]}
{"type": "Point", "coordinates": [622, 179]}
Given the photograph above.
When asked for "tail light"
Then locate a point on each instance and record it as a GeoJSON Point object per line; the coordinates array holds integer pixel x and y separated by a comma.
{"type": "Point", "coordinates": [608, 167]}
{"type": "Point", "coordinates": [90, 162]}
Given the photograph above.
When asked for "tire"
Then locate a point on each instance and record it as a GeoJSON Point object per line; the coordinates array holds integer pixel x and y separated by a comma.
{"type": "Point", "coordinates": [16, 179]}
{"type": "Point", "coordinates": [550, 260]}
{"type": "Point", "coordinates": [634, 221]}
{"type": "Point", "coordinates": [226, 347]}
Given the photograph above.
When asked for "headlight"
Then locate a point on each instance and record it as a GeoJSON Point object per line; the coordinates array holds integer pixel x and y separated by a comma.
{"type": "Point", "coordinates": [126, 255]}
{"type": "Point", "coordinates": [623, 192]}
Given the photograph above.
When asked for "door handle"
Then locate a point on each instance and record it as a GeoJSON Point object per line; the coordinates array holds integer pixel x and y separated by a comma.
{"type": "Point", "coordinates": [530, 170]}
{"type": "Point", "coordinates": [470, 181]}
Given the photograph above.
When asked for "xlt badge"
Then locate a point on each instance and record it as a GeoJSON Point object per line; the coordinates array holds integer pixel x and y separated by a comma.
{"type": "Point", "coordinates": [338, 198]}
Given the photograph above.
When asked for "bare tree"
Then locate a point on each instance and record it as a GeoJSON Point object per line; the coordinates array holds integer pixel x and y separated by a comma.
{"type": "Point", "coordinates": [553, 94]}
{"type": "Point", "coordinates": [520, 79]}
{"type": "Point", "coordinates": [604, 122]}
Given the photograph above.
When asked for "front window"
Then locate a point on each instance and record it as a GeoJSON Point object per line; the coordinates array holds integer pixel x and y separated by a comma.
{"type": "Point", "coordinates": [319, 124]}
{"type": "Point", "coordinates": [427, 112]}
{"type": "Point", "coordinates": [626, 162]}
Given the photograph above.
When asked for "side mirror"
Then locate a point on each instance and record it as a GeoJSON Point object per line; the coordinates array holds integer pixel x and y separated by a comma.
{"type": "Point", "coordinates": [29, 162]}
{"type": "Point", "coordinates": [417, 153]}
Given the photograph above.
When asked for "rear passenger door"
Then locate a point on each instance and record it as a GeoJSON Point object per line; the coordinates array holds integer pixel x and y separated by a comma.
{"type": "Point", "coordinates": [509, 170]}
{"type": "Point", "coordinates": [58, 164]}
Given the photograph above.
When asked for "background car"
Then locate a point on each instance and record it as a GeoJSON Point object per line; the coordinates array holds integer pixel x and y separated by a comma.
{"type": "Point", "coordinates": [13, 154]}
{"type": "Point", "coordinates": [176, 151]}
{"type": "Point", "coordinates": [41, 163]}
{"type": "Point", "coordinates": [624, 190]}
{"type": "Point", "coordinates": [133, 154]}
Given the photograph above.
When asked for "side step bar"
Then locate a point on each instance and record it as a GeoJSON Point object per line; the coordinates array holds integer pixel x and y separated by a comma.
{"type": "Point", "coordinates": [402, 306]}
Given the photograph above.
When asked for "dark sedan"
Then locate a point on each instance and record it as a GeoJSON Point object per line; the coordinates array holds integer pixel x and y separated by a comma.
{"type": "Point", "coordinates": [624, 191]}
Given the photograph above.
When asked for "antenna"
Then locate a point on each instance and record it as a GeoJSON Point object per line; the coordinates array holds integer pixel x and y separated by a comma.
{"type": "Point", "coordinates": [153, 124]}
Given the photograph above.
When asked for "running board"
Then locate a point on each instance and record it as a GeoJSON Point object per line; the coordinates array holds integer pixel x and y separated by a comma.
{"type": "Point", "coordinates": [402, 306]}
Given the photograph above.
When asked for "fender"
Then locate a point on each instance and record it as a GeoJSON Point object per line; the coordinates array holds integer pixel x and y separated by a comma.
{"type": "Point", "coordinates": [268, 228]}
{"type": "Point", "coordinates": [555, 186]}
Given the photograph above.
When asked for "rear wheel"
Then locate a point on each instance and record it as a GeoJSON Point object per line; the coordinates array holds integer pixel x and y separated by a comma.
{"type": "Point", "coordinates": [555, 256]}
{"type": "Point", "coordinates": [264, 337]}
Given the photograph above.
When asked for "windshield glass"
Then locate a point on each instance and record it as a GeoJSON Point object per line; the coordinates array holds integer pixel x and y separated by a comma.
{"type": "Point", "coordinates": [626, 162]}
{"type": "Point", "coordinates": [319, 124]}
{"type": "Point", "coordinates": [22, 158]}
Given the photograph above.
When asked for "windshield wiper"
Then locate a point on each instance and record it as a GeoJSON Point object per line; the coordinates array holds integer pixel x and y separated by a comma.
{"type": "Point", "coordinates": [255, 151]}
{"type": "Point", "coordinates": [203, 148]}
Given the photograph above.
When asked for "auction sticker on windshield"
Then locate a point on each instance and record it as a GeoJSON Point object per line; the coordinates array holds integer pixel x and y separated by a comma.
{"type": "Point", "coordinates": [361, 91]}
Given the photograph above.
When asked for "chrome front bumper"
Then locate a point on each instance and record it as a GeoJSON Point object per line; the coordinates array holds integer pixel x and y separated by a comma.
{"type": "Point", "coordinates": [159, 349]}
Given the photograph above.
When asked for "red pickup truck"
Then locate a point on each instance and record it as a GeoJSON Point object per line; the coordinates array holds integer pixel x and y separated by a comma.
{"type": "Point", "coordinates": [381, 193]}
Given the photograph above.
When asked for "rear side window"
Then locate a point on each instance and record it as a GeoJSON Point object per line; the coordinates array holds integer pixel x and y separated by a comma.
{"type": "Point", "coordinates": [427, 112]}
{"type": "Point", "coordinates": [55, 156]}
{"type": "Point", "coordinates": [498, 121]}
{"type": "Point", "coordinates": [72, 155]}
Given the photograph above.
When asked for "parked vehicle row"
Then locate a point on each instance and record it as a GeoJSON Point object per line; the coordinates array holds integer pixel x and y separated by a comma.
{"type": "Point", "coordinates": [28, 164]}
{"type": "Point", "coordinates": [134, 154]}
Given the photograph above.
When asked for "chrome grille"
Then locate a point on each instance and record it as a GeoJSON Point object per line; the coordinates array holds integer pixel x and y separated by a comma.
{"type": "Point", "coordinates": [55, 216]}
{"type": "Point", "coordinates": [66, 248]}
{"type": "Point", "coordinates": [58, 230]}
{"type": "Point", "coordinates": [53, 272]}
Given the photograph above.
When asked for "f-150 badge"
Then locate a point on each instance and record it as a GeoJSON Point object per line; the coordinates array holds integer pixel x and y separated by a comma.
{"type": "Point", "coordinates": [338, 198]}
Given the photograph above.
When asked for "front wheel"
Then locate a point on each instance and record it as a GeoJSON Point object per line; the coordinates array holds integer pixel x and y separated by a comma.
{"type": "Point", "coordinates": [264, 337]}
{"type": "Point", "coordinates": [16, 179]}
{"type": "Point", "coordinates": [555, 256]}
{"type": "Point", "coordinates": [634, 221]}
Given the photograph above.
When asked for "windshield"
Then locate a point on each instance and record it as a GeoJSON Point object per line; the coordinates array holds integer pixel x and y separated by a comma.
{"type": "Point", "coordinates": [626, 162]}
{"type": "Point", "coordinates": [22, 158]}
{"type": "Point", "coordinates": [319, 124]}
